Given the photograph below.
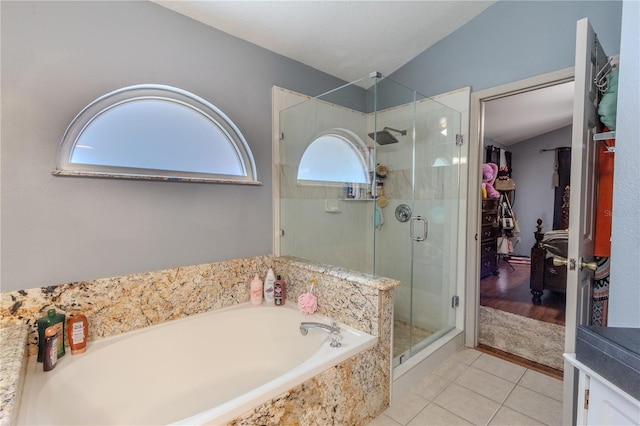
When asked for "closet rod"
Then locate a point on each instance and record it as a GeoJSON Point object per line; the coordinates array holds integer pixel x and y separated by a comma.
{"type": "Point", "coordinates": [553, 149]}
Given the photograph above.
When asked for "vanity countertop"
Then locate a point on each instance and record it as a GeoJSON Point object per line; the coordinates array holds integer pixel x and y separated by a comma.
{"type": "Point", "coordinates": [13, 356]}
{"type": "Point", "coordinates": [612, 352]}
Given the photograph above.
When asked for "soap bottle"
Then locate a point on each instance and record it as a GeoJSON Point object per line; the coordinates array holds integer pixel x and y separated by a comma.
{"type": "Point", "coordinates": [279, 291]}
{"type": "Point", "coordinates": [256, 290]}
{"type": "Point", "coordinates": [268, 286]}
{"type": "Point", "coordinates": [52, 319]}
{"type": "Point", "coordinates": [50, 348]}
{"type": "Point", "coordinates": [77, 333]}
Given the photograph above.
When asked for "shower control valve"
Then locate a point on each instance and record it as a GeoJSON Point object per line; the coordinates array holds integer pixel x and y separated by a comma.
{"type": "Point", "coordinates": [403, 213]}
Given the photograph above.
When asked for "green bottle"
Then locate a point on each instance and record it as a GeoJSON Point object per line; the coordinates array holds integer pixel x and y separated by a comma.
{"type": "Point", "coordinates": [51, 320]}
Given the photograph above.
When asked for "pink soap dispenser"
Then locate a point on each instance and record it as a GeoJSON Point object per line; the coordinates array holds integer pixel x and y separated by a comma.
{"type": "Point", "coordinates": [256, 291]}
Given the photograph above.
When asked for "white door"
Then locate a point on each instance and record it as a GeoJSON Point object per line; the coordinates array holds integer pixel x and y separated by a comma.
{"type": "Point", "coordinates": [589, 59]}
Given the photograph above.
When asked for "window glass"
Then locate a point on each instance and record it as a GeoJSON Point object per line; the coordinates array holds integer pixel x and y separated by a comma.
{"type": "Point", "coordinates": [336, 156]}
{"type": "Point", "coordinates": [152, 130]}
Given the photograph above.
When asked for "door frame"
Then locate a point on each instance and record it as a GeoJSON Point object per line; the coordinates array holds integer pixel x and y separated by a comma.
{"type": "Point", "coordinates": [476, 132]}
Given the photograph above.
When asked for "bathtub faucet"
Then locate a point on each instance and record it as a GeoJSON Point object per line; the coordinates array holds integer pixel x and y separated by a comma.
{"type": "Point", "coordinates": [333, 330]}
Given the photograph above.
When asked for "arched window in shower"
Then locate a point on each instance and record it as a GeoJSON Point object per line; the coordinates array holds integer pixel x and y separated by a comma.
{"type": "Point", "coordinates": [155, 132]}
{"type": "Point", "coordinates": [337, 155]}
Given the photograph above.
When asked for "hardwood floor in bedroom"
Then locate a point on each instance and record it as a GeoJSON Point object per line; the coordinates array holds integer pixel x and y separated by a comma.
{"type": "Point", "coordinates": [509, 291]}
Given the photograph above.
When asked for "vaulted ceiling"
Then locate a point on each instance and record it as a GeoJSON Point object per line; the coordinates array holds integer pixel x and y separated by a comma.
{"type": "Point", "coordinates": [346, 39]}
{"type": "Point", "coordinates": [350, 39]}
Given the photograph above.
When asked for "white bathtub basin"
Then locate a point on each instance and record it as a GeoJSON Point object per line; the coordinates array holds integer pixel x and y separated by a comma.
{"type": "Point", "coordinates": [204, 369]}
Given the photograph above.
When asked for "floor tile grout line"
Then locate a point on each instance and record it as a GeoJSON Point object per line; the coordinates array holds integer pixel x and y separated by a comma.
{"type": "Point", "coordinates": [470, 390]}
{"type": "Point", "coordinates": [489, 398]}
{"type": "Point", "coordinates": [450, 412]}
{"type": "Point", "coordinates": [418, 413]}
{"type": "Point", "coordinates": [522, 375]}
{"type": "Point", "coordinates": [449, 382]}
{"type": "Point", "coordinates": [534, 390]}
{"type": "Point", "coordinates": [497, 377]}
{"type": "Point", "coordinates": [505, 400]}
{"type": "Point", "coordinates": [524, 387]}
{"type": "Point", "coordinates": [500, 404]}
{"type": "Point", "coordinates": [494, 414]}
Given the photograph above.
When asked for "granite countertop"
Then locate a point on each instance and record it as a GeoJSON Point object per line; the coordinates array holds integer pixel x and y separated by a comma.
{"type": "Point", "coordinates": [612, 352]}
{"type": "Point", "coordinates": [13, 356]}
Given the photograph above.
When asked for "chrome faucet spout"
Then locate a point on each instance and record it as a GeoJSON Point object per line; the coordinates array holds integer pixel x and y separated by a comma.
{"type": "Point", "coordinates": [305, 326]}
{"type": "Point", "coordinates": [333, 330]}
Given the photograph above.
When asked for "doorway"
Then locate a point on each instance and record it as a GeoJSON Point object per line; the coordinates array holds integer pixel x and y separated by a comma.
{"type": "Point", "coordinates": [507, 319]}
{"type": "Point", "coordinates": [590, 60]}
{"type": "Point", "coordinates": [528, 135]}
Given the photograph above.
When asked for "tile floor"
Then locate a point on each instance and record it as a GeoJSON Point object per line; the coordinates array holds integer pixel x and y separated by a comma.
{"type": "Point", "coordinates": [475, 388]}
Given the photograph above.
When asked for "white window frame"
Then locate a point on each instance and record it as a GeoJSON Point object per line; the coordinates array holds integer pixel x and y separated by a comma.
{"type": "Point", "coordinates": [147, 92]}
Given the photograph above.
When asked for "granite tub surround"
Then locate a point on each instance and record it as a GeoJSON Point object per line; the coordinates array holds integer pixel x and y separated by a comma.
{"type": "Point", "coordinates": [353, 392]}
{"type": "Point", "coordinates": [13, 356]}
{"type": "Point", "coordinates": [348, 394]}
{"type": "Point", "coordinates": [119, 304]}
{"type": "Point", "coordinates": [356, 390]}
{"type": "Point", "coordinates": [349, 296]}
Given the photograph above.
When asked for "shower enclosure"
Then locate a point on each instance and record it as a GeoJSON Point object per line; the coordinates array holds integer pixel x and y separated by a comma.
{"type": "Point", "coordinates": [370, 181]}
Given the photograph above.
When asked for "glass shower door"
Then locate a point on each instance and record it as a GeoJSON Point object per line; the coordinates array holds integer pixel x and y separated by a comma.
{"type": "Point", "coordinates": [418, 242]}
{"type": "Point", "coordinates": [434, 225]}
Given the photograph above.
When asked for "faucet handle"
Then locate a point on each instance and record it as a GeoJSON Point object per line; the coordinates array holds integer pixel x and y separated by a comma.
{"type": "Point", "coordinates": [335, 335]}
{"type": "Point", "coordinates": [336, 338]}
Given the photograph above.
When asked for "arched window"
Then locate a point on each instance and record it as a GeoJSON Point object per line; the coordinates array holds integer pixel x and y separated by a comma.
{"type": "Point", "coordinates": [155, 132]}
{"type": "Point", "coordinates": [337, 155]}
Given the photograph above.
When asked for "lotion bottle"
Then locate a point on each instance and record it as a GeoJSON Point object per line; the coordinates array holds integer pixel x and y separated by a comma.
{"type": "Point", "coordinates": [279, 291]}
{"type": "Point", "coordinates": [256, 291]}
{"type": "Point", "coordinates": [77, 333]}
{"type": "Point", "coordinates": [268, 286]}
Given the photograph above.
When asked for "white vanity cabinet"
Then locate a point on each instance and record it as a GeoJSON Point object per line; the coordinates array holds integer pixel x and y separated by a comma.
{"type": "Point", "coordinates": [600, 402]}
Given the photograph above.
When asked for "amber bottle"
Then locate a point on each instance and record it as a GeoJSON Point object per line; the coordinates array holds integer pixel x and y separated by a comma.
{"type": "Point", "coordinates": [77, 333]}
{"type": "Point", "coordinates": [50, 348]}
{"type": "Point", "coordinates": [52, 319]}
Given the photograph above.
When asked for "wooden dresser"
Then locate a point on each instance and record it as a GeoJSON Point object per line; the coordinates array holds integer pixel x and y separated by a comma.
{"type": "Point", "coordinates": [489, 233]}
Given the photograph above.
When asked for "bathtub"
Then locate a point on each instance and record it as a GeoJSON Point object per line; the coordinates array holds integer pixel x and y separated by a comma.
{"type": "Point", "coordinates": [203, 369]}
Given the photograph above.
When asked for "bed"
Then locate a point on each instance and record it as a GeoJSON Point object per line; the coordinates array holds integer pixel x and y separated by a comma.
{"type": "Point", "coordinates": [544, 274]}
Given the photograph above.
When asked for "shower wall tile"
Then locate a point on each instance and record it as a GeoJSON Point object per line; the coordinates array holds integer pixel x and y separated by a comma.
{"type": "Point", "coordinates": [346, 235]}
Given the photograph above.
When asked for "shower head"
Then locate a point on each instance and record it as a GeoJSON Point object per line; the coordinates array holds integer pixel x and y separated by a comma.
{"type": "Point", "coordinates": [383, 137]}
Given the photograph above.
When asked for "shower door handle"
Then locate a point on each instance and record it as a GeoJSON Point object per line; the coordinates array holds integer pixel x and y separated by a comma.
{"type": "Point", "coordinates": [425, 228]}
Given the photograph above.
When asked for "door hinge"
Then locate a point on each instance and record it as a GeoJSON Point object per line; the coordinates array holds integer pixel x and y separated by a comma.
{"type": "Point", "coordinates": [459, 139]}
{"type": "Point", "coordinates": [586, 399]}
{"type": "Point", "coordinates": [281, 135]}
{"type": "Point", "coordinates": [455, 302]}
